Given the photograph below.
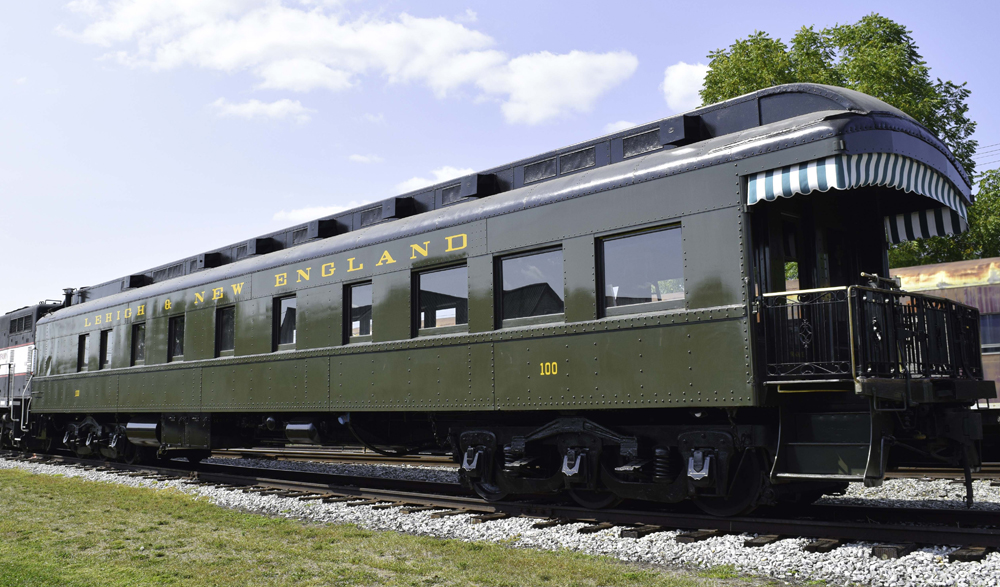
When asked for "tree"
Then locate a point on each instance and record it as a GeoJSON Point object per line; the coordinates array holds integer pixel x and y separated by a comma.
{"type": "Point", "coordinates": [879, 57]}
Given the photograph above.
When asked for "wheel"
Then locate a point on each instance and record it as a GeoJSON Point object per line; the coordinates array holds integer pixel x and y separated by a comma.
{"type": "Point", "coordinates": [594, 499]}
{"type": "Point", "coordinates": [489, 491]}
{"type": "Point", "coordinates": [746, 484]}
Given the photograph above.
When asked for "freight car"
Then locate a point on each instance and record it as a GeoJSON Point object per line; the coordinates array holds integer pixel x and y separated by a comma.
{"type": "Point", "coordinates": [610, 320]}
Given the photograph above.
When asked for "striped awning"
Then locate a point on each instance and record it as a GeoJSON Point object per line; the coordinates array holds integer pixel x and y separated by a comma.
{"type": "Point", "coordinates": [844, 172]}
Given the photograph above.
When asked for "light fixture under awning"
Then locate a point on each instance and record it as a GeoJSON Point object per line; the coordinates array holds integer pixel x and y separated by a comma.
{"type": "Point", "coordinates": [844, 172]}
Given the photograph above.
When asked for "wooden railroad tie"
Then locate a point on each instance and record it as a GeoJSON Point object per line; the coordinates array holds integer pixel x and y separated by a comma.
{"type": "Point", "coordinates": [888, 551]}
{"type": "Point", "coordinates": [339, 499]}
{"type": "Point", "coordinates": [386, 506]}
{"type": "Point", "coordinates": [697, 536]}
{"type": "Point", "coordinates": [551, 523]}
{"type": "Point", "coordinates": [822, 545]}
{"type": "Point", "coordinates": [480, 518]}
{"type": "Point", "coordinates": [969, 554]}
{"type": "Point", "coordinates": [596, 528]}
{"type": "Point", "coordinates": [761, 540]}
{"type": "Point", "coordinates": [447, 513]}
{"type": "Point", "coordinates": [640, 531]}
{"type": "Point", "coordinates": [410, 509]}
{"type": "Point", "coordinates": [355, 504]}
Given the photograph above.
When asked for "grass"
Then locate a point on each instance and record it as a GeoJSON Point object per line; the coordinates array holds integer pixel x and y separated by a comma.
{"type": "Point", "coordinates": [66, 531]}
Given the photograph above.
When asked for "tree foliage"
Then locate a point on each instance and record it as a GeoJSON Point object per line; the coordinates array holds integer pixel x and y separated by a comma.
{"type": "Point", "coordinates": [879, 57]}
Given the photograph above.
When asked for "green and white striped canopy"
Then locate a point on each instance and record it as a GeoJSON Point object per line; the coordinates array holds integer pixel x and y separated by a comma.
{"type": "Point", "coordinates": [844, 172]}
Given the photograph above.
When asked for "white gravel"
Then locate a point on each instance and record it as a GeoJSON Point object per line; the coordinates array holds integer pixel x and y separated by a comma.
{"type": "Point", "coordinates": [438, 474]}
{"type": "Point", "coordinates": [847, 565]}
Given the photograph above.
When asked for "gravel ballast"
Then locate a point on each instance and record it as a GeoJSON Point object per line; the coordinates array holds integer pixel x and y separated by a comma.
{"type": "Point", "coordinates": [849, 564]}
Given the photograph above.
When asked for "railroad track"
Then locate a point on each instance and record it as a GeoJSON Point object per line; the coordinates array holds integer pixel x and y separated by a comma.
{"type": "Point", "coordinates": [895, 531]}
{"type": "Point", "coordinates": [324, 455]}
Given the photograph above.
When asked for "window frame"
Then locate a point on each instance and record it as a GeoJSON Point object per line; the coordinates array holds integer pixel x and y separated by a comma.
{"type": "Point", "coordinates": [348, 309]}
{"type": "Point", "coordinates": [106, 339]}
{"type": "Point", "coordinates": [500, 321]}
{"type": "Point", "coordinates": [987, 349]}
{"type": "Point", "coordinates": [171, 330]}
{"type": "Point", "coordinates": [415, 312]}
{"type": "Point", "coordinates": [640, 308]}
{"type": "Point", "coordinates": [276, 345]}
{"type": "Point", "coordinates": [219, 351]}
{"type": "Point", "coordinates": [133, 361]}
{"type": "Point", "coordinates": [83, 353]}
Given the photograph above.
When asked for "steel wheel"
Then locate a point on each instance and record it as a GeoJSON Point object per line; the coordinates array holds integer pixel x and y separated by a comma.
{"type": "Point", "coordinates": [594, 499]}
{"type": "Point", "coordinates": [744, 489]}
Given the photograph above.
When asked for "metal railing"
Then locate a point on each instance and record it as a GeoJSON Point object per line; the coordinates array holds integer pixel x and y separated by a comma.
{"type": "Point", "coordinates": [847, 332]}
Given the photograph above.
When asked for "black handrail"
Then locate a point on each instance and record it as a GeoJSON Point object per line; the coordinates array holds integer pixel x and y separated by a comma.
{"type": "Point", "coordinates": [841, 333]}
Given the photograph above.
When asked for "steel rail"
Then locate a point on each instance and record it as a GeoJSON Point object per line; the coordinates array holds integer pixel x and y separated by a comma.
{"type": "Point", "coordinates": [956, 527]}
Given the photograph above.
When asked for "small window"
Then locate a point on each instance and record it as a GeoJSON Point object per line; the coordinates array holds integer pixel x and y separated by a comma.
{"type": "Point", "coordinates": [443, 298]}
{"type": "Point", "coordinates": [175, 339]}
{"type": "Point", "coordinates": [360, 300]}
{"type": "Point", "coordinates": [107, 348]}
{"type": "Point", "coordinates": [225, 331]}
{"type": "Point", "coordinates": [139, 344]}
{"type": "Point", "coordinates": [284, 323]}
{"type": "Point", "coordinates": [989, 332]}
{"type": "Point", "coordinates": [27, 323]}
{"type": "Point", "coordinates": [82, 352]}
{"type": "Point", "coordinates": [540, 170]}
{"type": "Point", "coordinates": [643, 268]}
{"type": "Point", "coordinates": [532, 284]}
{"type": "Point", "coordinates": [641, 143]}
{"type": "Point", "coordinates": [581, 159]}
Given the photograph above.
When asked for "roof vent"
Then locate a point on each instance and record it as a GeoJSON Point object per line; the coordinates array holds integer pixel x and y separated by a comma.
{"type": "Point", "coordinates": [397, 208]}
{"type": "Point", "coordinates": [320, 229]}
{"type": "Point", "coordinates": [681, 130]}
{"type": "Point", "coordinates": [206, 260]}
{"type": "Point", "coordinates": [133, 281]}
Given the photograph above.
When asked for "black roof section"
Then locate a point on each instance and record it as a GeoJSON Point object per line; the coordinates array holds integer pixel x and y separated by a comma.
{"type": "Point", "coordinates": [756, 109]}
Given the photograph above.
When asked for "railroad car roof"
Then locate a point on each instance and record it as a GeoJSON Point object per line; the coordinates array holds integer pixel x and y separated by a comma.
{"type": "Point", "coordinates": [736, 130]}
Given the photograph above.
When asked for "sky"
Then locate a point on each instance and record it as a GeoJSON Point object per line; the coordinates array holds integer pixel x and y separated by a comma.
{"type": "Point", "coordinates": [137, 132]}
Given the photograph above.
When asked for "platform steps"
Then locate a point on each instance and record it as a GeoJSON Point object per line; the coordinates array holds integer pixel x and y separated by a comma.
{"type": "Point", "coordinates": [823, 445]}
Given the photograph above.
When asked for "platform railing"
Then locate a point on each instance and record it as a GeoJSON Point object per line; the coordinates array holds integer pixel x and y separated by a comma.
{"type": "Point", "coordinates": [846, 332]}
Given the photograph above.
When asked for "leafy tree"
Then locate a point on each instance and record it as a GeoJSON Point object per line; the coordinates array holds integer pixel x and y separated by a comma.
{"type": "Point", "coordinates": [879, 57]}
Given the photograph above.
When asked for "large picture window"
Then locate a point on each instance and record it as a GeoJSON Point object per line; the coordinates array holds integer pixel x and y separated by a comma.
{"type": "Point", "coordinates": [360, 297]}
{"type": "Point", "coordinates": [642, 268]}
{"type": "Point", "coordinates": [532, 284]}
{"type": "Point", "coordinates": [443, 298]}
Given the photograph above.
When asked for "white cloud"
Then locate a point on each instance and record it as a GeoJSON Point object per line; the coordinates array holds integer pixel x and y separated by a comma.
{"type": "Point", "coordinates": [312, 213]}
{"type": "Point", "coordinates": [542, 86]}
{"type": "Point", "coordinates": [441, 174]}
{"type": "Point", "coordinates": [280, 109]}
{"type": "Point", "coordinates": [374, 118]}
{"type": "Point", "coordinates": [468, 16]}
{"type": "Point", "coordinates": [20, 81]}
{"type": "Point", "coordinates": [681, 84]}
{"type": "Point", "coordinates": [613, 127]}
{"type": "Point", "coordinates": [365, 158]}
{"type": "Point", "coordinates": [318, 45]}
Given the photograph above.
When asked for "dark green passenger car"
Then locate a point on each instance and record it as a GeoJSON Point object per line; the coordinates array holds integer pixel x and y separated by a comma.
{"type": "Point", "coordinates": [616, 319]}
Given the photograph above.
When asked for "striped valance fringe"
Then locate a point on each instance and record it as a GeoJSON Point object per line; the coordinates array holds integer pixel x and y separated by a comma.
{"type": "Point", "coordinates": [844, 172]}
{"type": "Point", "coordinates": [939, 221]}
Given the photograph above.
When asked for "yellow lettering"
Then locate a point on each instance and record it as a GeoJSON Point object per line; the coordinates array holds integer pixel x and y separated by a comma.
{"type": "Point", "coordinates": [86, 322]}
{"type": "Point", "coordinates": [331, 268]}
{"type": "Point", "coordinates": [199, 297]}
{"type": "Point", "coordinates": [451, 244]}
{"type": "Point", "coordinates": [414, 249]}
{"type": "Point", "coordinates": [238, 287]}
{"type": "Point", "coordinates": [217, 293]}
{"type": "Point", "coordinates": [386, 259]}
{"type": "Point", "coordinates": [303, 274]}
{"type": "Point", "coordinates": [141, 311]}
{"type": "Point", "coordinates": [351, 267]}
{"type": "Point", "coordinates": [77, 393]}
{"type": "Point", "coordinates": [128, 313]}
{"type": "Point", "coordinates": [107, 317]}
{"type": "Point", "coordinates": [119, 315]}
{"type": "Point", "coordinates": [280, 279]}
{"type": "Point", "coordinates": [97, 319]}
{"type": "Point", "coordinates": [166, 305]}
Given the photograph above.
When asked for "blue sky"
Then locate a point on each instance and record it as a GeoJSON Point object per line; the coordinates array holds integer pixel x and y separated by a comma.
{"type": "Point", "coordinates": [136, 132]}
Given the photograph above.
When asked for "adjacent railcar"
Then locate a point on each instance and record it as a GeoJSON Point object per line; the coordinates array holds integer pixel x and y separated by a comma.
{"type": "Point", "coordinates": [611, 320]}
{"type": "Point", "coordinates": [17, 364]}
